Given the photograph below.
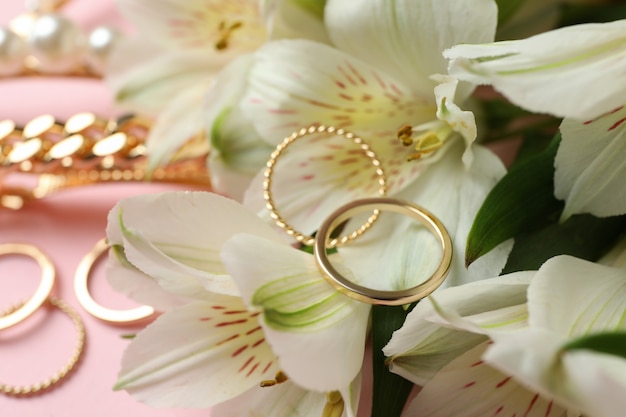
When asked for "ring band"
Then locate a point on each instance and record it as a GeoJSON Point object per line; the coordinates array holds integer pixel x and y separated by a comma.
{"type": "Point", "coordinates": [379, 297]}
{"type": "Point", "coordinates": [86, 300]}
{"type": "Point", "coordinates": [269, 170]}
{"type": "Point", "coordinates": [43, 290]}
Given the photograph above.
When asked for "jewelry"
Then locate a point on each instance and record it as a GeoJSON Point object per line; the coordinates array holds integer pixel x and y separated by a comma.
{"type": "Point", "coordinates": [20, 312]}
{"type": "Point", "coordinates": [43, 291]}
{"type": "Point", "coordinates": [378, 297]}
{"type": "Point", "coordinates": [95, 309]}
{"type": "Point", "coordinates": [269, 170]}
{"type": "Point", "coordinates": [85, 150]}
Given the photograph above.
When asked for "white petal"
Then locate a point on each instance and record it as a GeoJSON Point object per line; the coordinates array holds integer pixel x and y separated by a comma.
{"type": "Point", "coordinates": [128, 280]}
{"type": "Point", "coordinates": [467, 387]}
{"type": "Point", "coordinates": [296, 83]}
{"type": "Point", "coordinates": [149, 85]}
{"type": "Point", "coordinates": [198, 24]}
{"type": "Point", "coordinates": [317, 333]}
{"type": "Point", "coordinates": [292, 19]}
{"type": "Point", "coordinates": [453, 194]}
{"type": "Point", "coordinates": [197, 355]}
{"type": "Point", "coordinates": [573, 297]}
{"type": "Point", "coordinates": [579, 67]}
{"type": "Point", "coordinates": [181, 121]}
{"type": "Point", "coordinates": [284, 400]}
{"type": "Point", "coordinates": [421, 346]}
{"type": "Point", "coordinates": [405, 38]}
{"type": "Point", "coordinates": [600, 382]}
{"type": "Point", "coordinates": [178, 243]}
{"type": "Point", "coordinates": [590, 164]}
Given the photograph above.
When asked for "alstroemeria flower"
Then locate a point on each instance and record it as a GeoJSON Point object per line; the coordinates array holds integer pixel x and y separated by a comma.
{"type": "Point", "coordinates": [574, 72]}
{"type": "Point", "coordinates": [246, 305]}
{"type": "Point", "coordinates": [504, 340]}
{"type": "Point", "coordinates": [166, 69]}
{"type": "Point", "coordinates": [375, 78]}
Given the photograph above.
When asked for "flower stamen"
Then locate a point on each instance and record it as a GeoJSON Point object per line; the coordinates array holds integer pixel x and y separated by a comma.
{"type": "Point", "coordinates": [278, 379]}
{"type": "Point", "coordinates": [225, 32]}
{"type": "Point", "coordinates": [334, 405]}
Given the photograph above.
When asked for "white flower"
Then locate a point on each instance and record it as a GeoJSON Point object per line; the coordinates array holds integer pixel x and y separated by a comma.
{"type": "Point", "coordinates": [218, 342]}
{"type": "Point", "coordinates": [574, 72]}
{"type": "Point", "coordinates": [166, 69]}
{"type": "Point", "coordinates": [375, 78]}
{"type": "Point", "coordinates": [524, 368]}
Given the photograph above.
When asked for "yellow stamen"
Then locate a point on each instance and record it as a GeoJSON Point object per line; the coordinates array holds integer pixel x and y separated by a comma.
{"type": "Point", "coordinates": [278, 379]}
{"type": "Point", "coordinates": [225, 33]}
{"type": "Point", "coordinates": [405, 134]}
{"type": "Point", "coordinates": [334, 405]}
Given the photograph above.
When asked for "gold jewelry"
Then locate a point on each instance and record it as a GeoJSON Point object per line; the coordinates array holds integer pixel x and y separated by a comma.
{"type": "Point", "coordinates": [378, 297]}
{"type": "Point", "coordinates": [78, 349]}
{"type": "Point", "coordinates": [85, 150]}
{"type": "Point", "coordinates": [269, 170]}
{"type": "Point", "coordinates": [89, 304]}
{"type": "Point", "coordinates": [43, 291]}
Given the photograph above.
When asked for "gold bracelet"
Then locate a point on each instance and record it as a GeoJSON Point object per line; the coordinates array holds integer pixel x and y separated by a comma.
{"type": "Point", "coordinates": [85, 150]}
{"type": "Point", "coordinates": [23, 390]}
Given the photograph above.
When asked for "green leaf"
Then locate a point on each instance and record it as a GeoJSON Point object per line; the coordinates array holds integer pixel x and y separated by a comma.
{"type": "Point", "coordinates": [390, 390]}
{"type": "Point", "coordinates": [507, 8]}
{"type": "Point", "coordinates": [522, 200]}
{"type": "Point", "coordinates": [613, 343]}
{"type": "Point", "coordinates": [583, 236]}
{"type": "Point", "coordinates": [573, 14]}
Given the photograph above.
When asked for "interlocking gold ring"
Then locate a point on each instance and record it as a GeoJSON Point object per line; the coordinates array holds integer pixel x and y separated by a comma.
{"type": "Point", "coordinates": [378, 297]}
{"type": "Point", "coordinates": [269, 169]}
{"type": "Point", "coordinates": [86, 300]}
{"type": "Point", "coordinates": [43, 290]}
{"type": "Point", "coordinates": [62, 373]}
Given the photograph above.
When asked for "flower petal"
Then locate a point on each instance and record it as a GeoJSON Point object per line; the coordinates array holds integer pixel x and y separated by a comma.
{"type": "Point", "coordinates": [181, 121]}
{"type": "Point", "coordinates": [205, 25]}
{"type": "Point", "coordinates": [292, 19]}
{"type": "Point", "coordinates": [197, 355]}
{"type": "Point", "coordinates": [590, 164]}
{"type": "Point", "coordinates": [128, 280]}
{"type": "Point", "coordinates": [178, 244]}
{"type": "Point", "coordinates": [467, 387]}
{"type": "Point", "coordinates": [317, 333]}
{"type": "Point", "coordinates": [573, 297]}
{"type": "Point", "coordinates": [144, 77]}
{"type": "Point", "coordinates": [296, 83]}
{"type": "Point", "coordinates": [421, 346]}
{"type": "Point", "coordinates": [405, 38]}
{"type": "Point", "coordinates": [579, 67]}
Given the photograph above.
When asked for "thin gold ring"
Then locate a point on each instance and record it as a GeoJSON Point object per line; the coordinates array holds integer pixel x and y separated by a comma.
{"type": "Point", "coordinates": [78, 350]}
{"type": "Point", "coordinates": [43, 290]}
{"type": "Point", "coordinates": [86, 300]}
{"type": "Point", "coordinates": [378, 297]}
{"type": "Point", "coordinates": [269, 170]}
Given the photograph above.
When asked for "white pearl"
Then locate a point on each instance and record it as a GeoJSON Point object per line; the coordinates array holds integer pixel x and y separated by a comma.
{"type": "Point", "coordinates": [12, 53]}
{"type": "Point", "coordinates": [101, 41]}
{"type": "Point", "coordinates": [57, 44]}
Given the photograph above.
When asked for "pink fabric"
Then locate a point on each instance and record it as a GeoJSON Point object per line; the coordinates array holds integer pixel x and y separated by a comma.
{"type": "Point", "coordinates": [65, 226]}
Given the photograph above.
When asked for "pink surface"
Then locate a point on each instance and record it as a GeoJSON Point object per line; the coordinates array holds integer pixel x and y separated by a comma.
{"type": "Point", "coordinates": [65, 226]}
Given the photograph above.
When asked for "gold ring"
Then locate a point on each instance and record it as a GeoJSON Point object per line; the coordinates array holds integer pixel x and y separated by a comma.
{"type": "Point", "coordinates": [269, 169]}
{"type": "Point", "coordinates": [87, 301]}
{"type": "Point", "coordinates": [378, 297]}
{"type": "Point", "coordinates": [43, 290]}
{"type": "Point", "coordinates": [62, 373]}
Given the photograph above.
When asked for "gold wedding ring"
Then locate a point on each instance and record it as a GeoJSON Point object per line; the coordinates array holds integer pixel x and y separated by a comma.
{"type": "Point", "coordinates": [379, 297]}
{"type": "Point", "coordinates": [43, 290]}
{"type": "Point", "coordinates": [81, 288]}
{"type": "Point", "coordinates": [269, 170]}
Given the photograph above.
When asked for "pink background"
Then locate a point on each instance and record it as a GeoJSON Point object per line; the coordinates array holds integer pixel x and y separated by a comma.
{"type": "Point", "coordinates": [65, 226]}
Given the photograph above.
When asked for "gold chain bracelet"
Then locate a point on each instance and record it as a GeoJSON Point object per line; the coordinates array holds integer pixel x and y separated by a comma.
{"type": "Point", "coordinates": [86, 150]}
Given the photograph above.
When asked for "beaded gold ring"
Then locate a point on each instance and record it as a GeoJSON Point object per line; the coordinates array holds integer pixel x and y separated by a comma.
{"type": "Point", "coordinates": [86, 300]}
{"type": "Point", "coordinates": [43, 290]}
{"type": "Point", "coordinates": [269, 171]}
{"type": "Point", "coordinates": [24, 390]}
{"type": "Point", "coordinates": [379, 297]}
